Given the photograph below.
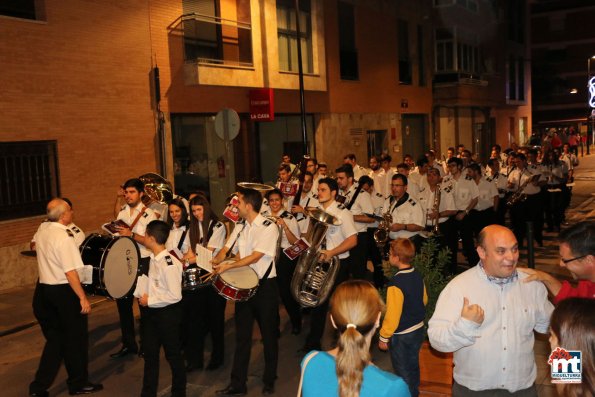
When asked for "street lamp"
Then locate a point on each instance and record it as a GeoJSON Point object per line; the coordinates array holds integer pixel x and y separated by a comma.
{"type": "Point", "coordinates": [591, 96]}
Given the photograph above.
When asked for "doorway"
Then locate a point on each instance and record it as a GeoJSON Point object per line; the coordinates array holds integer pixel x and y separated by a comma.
{"type": "Point", "coordinates": [414, 135]}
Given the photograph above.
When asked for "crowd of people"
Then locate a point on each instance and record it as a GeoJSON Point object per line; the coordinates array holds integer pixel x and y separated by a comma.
{"type": "Point", "coordinates": [489, 310]}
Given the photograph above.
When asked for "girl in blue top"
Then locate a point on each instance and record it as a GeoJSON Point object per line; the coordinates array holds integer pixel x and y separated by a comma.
{"type": "Point", "coordinates": [346, 371]}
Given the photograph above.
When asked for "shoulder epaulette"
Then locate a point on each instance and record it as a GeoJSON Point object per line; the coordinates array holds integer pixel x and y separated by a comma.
{"type": "Point", "coordinates": [315, 196]}
{"type": "Point", "coordinates": [75, 229]}
{"type": "Point", "coordinates": [70, 232]}
{"type": "Point", "coordinates": [286, 214]}
{"type": "Point", "coordinates": [265, 202]}
{"type": "Point", "coordinates": [218, 224]}
{"type": "Point", "coordinates": [122, 208]}
{"type": "Point", "coordinates": [168, 260]}
{"type": "Point", "coordinates": [468, 177]}
{"type": "Point", "coordinates": [341, 206]}
{"type": "Point", "coordinates": [447, 188]}
{"type": "Point", "coordinates": [145, 214]}
{"type": "Point", "coordinates": [412, 202]}
{"type": "Point", "coordinates": [379, 195]}
{"type": "Point", "coordinates": [266, 222]}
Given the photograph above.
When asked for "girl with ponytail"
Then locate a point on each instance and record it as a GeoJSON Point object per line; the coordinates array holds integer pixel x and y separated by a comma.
{"type": "Point", "coordinates": [346, 370]}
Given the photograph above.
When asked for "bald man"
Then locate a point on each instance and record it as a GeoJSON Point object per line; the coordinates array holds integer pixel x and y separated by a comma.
{"type": "Point", "coordinates": [487, 316]}
{"type": "Point", "coordinates": [60, 305]}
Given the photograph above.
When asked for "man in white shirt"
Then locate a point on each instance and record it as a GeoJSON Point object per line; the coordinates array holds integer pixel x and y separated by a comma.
{"type": "Point", "coordinates": [407, 214]}
{"type": "Point", "coordinates": [307, 200]}
{"type": "Point", "coordinates": [486, 316]}
{"type": "Point", "coordinates": [358, 170]}
{"type": "Point", "coordinates": [484, 213]}
{"type": "Point", "coordinates": [60, 305]}
{"type": "Point", "coordinates": [137, 216]}
{"type": "Point", "coordinates": [500, 181]}
{"type": "Point", "coordinates": [419, 174]}
{"type": "Point", "coordinates": [359, 203]}
{"type": "Point", "coordinates": [434, 163]}
{"type": "Point", "coordinates": [440, 216]}
{"type": "Point", "coordinates": [256, 246]}
{"type": "Point", "coordinates": [378, 175]}
{"type": "Point", "coordinates": [412, 187]}
{"type": "Point", "coordinates": [466, 196]}
{"type": "Point", "coordinates": [339, 240]}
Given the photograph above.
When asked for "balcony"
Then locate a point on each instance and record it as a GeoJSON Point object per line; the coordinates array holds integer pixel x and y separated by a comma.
{"type": "Point", "coordinates": [217, 41]}
{"type": "Point", "coordinates": [459, 78]}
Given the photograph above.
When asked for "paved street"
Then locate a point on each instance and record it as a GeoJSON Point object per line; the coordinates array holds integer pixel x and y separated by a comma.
{"type": "Point", "coordinates": [21, 340]}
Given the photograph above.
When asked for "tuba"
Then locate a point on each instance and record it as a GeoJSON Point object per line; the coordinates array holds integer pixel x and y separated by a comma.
{"type": "Point", "coordinates": [313, 279]}
{"type": "Point", "coordinates": [157, 187]}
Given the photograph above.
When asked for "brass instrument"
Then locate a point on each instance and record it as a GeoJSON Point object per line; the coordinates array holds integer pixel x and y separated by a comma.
{"type": "Point", "coordinates": [256, 186]}
{"type": "Point", "coordinates": [381, 234]}
{"type": "Point", "coordinates": [313, 279]}
{"type": "Point", "coordinates": [435, 230]}
{"type": "Point", "coordinates": [157, 188]}
{"type": "Point", "coordinates": [519, 196]}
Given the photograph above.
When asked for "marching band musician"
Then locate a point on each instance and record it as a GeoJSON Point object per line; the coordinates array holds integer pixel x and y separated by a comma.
{"type": "Point", "coordinates": [556, 173]}
{"type": "Point", "coordinates": [374, 254]}
{"type": "Point", "coordinates": [534, 164]}
{"type": "Point", "coordinates": [137, 216]}
{"type": "Point", "coordinates": [419, 175]}
{"type": "Point", "coordinates": [286, 185]}
{"type": "Point", "coordinates": [312, 168]}
{"type": "Point", "coordinates": [407, 214]}
{"type": "Point", "coordinates": [60, 305]}
{"type": "Point", "coordinates": [484, 213]}
{"type": "Point", "coordinates": [389, 171]}
{"type": "Point", "coordinates": [500, 181]}
{"type": "Point", "coordinates": [178, 222]}
{"type": "Point", "coordinates": [339, 240]}
{"type": "Point", "coordinates": [290, 233]}
{"type": "Point", "coordinates": [204, 308]}
{"type": "Point", "coordinates": [358, 170]}
{"type": "Point", "coordinates": [434, 163]}
{"type": "Point", "coordinates": [359, 203]}
{"type": "Point", "coordinates": [256, 245]}
{"type": "Point", "coordinates": [79, 235]}
{"type": "Point", "coordinates": [466, 196]}
{"type": "Point", "coordinates": [446, 207]}
{"type": "Point", "coordinates": [412, 187]}
{"type": "Point", "coordinates": [524, 181]}
{"type": "Point", "coordinates": [307, 199]}
{"type": "Point", "coordinates": [378, 175]}
{"type": "Point", "coordinates": [162, 315]}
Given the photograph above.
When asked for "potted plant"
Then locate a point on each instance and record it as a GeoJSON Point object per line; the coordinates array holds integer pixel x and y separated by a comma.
{"type": "Point", "coordinates": [430, 261]}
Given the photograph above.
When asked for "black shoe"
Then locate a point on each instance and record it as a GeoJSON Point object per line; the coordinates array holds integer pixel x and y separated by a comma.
{"type": "Point", "coordinates": [296, 330]}
{"type": "Point", "coordinates": [192, 367]}
{"type": "Point", "coordinates": [268, 389]}
{"type": "Point", "coordinates": [213, 365]}
{"type": "Point", "coordinates": [39, 394]}
{"type": "Point", "coordinates": [123, 352]}
{"type": "Point", "coordinates": [232, 391]}
{"type": "Point", "coordinates": [88, 389]}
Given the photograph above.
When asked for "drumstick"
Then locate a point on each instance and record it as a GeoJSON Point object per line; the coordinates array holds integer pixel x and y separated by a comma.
{"type": "Point", "coordinates": [206, 277]}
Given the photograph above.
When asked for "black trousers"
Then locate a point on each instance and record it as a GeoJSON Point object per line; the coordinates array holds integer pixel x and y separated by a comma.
{"type": "Point", "coordinates": [162, 328]}
{"type": "Point", "coordinates": [126, 314]}
{"type": "Point", "coordinates": [57, 308]}
{"type": "Point", "coordinates": [264, 308]}
{"type": "Point", "coordinates": [554, 209]}
{"type": "Point", "coordinates": [464, 228]}
{"type": "Point", "coordinates": [375, 256]}
{"type": "Point", "coordinates": [481, 219]}
{"type": "Point", "coordinates": [285, 268]}
{"type": "Point", "coordinates": [358, 257]}
{"type": "Point", "coordinates": [521, 213]}
{"type": "Point", "coordinates": [204, 313]}
{"type": "Point", "coordinates": [318, 313]}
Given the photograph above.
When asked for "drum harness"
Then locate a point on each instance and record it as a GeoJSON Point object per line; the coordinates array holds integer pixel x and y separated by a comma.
{"type": "Point", "coordinates": [266, 274]}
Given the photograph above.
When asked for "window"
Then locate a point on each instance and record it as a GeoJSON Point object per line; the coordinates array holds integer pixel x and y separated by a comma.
{"type": "Point", "coordinates": [420, 56]}
{"type": "Point", "coordinates": [288, 36]}
{"type": "Point", "coordinates": [347, 49]}
{"type": "Point", "coordinates": [28, 178]}
{"type": "Point", "coordinates": [516, 21]}
{"type": "Point", "coordinates": [24, 9]}
{"type": "Point", "coordinates": [456, 56]}
{"type": "Point", "coordinates": [404, 59]}
{"type": "Point", "coordinates": [516, 79]}
{"type": "Point", "coordinates": [217, 34]}
{"type": "Point", "coordinates": [444, 51]}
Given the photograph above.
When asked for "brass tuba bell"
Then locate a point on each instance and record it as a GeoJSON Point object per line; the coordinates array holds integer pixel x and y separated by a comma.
{"type": "Point", "coordinates": [157, 188]}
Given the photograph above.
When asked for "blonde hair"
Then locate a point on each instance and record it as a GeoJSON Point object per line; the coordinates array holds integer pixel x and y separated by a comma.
{"type": "Point", "coordinates": [354, 307]}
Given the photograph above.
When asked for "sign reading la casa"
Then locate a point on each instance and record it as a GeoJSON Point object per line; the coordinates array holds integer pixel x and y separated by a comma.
{"type": "Point", "coordinates": [261, 104]}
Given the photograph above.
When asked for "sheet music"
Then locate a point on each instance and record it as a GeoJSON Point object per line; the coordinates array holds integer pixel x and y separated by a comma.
{"type": "Point", "coordinates": [203, 258]}
{"type": "Point", "coordinates": [142, 286]}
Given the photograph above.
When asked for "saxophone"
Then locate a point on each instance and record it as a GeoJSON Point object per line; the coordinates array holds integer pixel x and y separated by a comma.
{"type": "Point", "coordinates": [435, 228]}
{"type": "Point", "coordinates": [519, 196]}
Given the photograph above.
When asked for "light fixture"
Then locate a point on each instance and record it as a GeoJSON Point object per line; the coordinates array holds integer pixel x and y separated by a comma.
{"type": "Point", "coordinates": [573, 91]}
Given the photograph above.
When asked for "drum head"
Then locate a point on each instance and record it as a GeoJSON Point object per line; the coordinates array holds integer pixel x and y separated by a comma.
{"type": "Point", "coordinates": [120, 267]}
{"type": "Point", "coordinates": [240, 277]}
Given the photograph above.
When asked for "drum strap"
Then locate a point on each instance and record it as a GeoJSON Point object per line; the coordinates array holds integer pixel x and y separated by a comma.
{"type": "Point", "coordinates": [352, 201]}
{"type": "Point", "coordinates": [234, 243]}
{"type": "Point", "coordinates": [181, 242]}
{"type": "Point", "coordinates": [266, 274]}
{"type": "Point", "coordinates": [137, 218]}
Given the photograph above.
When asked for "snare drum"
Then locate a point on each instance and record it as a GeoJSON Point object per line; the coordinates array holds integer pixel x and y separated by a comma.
{"type": "Point", "coordinates": [238, 284]}
{"type": "Point", "coordinates": [191, 278]}
{"type": "Point", "coordinates": [115, 264]}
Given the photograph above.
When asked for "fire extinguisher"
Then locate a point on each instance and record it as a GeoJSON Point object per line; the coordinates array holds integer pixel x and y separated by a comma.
{"type": "Point", "coordinates": [221, 167]}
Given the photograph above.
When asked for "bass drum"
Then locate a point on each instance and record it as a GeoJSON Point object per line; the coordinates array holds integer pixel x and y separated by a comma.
{"type": "Point", "coordinates": [238, 284]}
{"type": "Point", "coordinates": [115, 263]}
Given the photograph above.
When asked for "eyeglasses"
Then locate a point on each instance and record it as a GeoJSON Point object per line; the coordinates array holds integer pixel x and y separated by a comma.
{"type": "Point", "coordinates": [576, 258]}
{"type": "Point", "coordinates": [393, 185]}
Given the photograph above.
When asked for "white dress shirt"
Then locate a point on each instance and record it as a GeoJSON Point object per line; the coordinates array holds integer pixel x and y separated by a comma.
{"type": "Point", "coordinates": [140, 226]}
{"type": "Point", "coordinates": [165, 280]}
{"type": "Point", "coordinates": [410, 212]}
{"type": "Point", "coordinates": [362, 205]}
{"type": "Point", "coordinates": [498, 354]}
{"type": "Point", "coordinates": [335, 235]}
{"type": "Point", "coordinates": [464, 190]}
{"type": "Point", "coordinates": [57, 253]}
{"type": "Point", "coordinates": [173, 240]}
{"type": "Point", "coordinates": [487, 192]}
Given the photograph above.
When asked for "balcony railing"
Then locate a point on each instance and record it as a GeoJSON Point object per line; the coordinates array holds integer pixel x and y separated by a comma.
{"type": "Point", "coordinates": [215, 40]}
{"type": "Point", "coordinates": [460, 78]}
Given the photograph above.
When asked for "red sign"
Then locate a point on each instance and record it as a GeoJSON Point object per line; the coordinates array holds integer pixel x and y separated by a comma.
{"type": "Point", "coordinates": [261, 104]}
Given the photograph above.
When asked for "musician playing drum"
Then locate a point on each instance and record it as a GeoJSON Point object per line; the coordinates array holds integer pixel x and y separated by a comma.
{"type": "Point", "coordinates": [256, 244]}
{"type": "Point", "coordinates": [204, 308]}
{"type": "Point", "coordinates": [137, 216]}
